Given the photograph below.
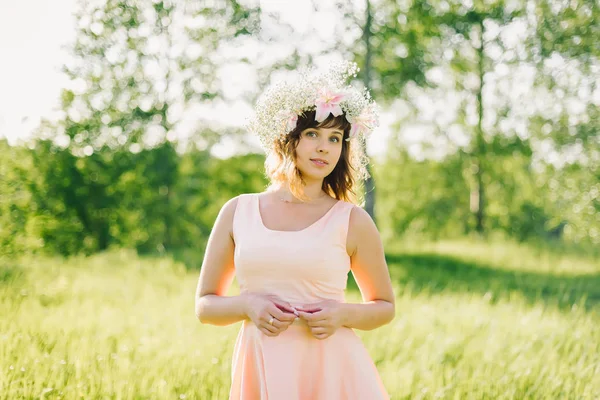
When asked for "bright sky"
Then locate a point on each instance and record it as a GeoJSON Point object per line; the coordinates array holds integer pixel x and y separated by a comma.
{"type": "Point", "coordinates": [33, 34]}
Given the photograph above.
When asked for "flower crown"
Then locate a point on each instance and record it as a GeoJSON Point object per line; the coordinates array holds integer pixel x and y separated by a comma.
{"type": "Point", "coordinates": [278, 108]}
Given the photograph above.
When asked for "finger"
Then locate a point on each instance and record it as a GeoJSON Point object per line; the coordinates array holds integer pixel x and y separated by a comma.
{"type": "Point", "coordinates": [276, 312]}
{"type": "Point", "coordinates": [270, 328]}
{"type": "Point", "coordinates": [322, 315]}
{"type": "Point", "coordinates": [310, 308]}
{"type": "Point", "coordinates": [313, 317]}
{"type": "Point", "coordinates": [280, 315]}
{"type": "Point", "coordinates": [306, 316]}
{"type": "Point", "coordinates": [281, 303]}
{"type": "Point", "coordinates": [267, 320]}
{"type": "Point", "coordinates": [268, 332]}
{"type": "Point", "coordinates": [280, 324]}
{"type": "Point", "coordinates": [288, 318]}
{"type": "Point", "coordinates": [286, 307]}
{"type": "Point", "coordinates": [317, 324]}
{"type": "Point", "coordinates": [318, 330]}
{"type": "Point", "coordinates": [286, 323]}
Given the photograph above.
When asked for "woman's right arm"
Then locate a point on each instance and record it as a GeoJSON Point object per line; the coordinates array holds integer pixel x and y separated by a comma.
{"type": "Point", "coordinates": [217, 273]}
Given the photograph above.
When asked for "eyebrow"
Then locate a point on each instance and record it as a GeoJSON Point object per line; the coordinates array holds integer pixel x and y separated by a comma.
{"type": "Point", "coordinates": [336, 132]}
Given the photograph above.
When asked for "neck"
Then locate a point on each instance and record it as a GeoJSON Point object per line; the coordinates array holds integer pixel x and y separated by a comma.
{"type": "Point", "coordinates": [313, 190]}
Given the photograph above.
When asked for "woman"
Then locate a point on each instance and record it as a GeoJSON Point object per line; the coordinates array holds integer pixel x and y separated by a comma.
{"type": "Point", "coordinates": [291, 249]}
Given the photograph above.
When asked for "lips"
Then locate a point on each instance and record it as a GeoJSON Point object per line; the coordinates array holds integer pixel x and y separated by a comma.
{"type": "Point", "coordinates": [319, 161]}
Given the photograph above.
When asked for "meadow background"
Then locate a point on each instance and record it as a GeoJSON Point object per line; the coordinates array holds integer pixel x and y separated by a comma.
{"type": "Point", "coordinates": [474, 321]}
{"type": "Point", "coordinates": [485, 187]}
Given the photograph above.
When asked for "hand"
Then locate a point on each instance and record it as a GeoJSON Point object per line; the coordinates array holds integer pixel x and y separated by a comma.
{"type": "Point", "coordinates": [323, 318]}
{"type": "Point", "coordinates": [261, 308]}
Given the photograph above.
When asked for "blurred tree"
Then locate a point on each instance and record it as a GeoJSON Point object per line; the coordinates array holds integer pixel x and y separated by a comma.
{"type": "Point", "coordinates": [422, 197]}
{"type": "Point", "coordinates": [388, 40]}
{"type": "Point", "coordinates": [473, 58]}
{"type": "Point", "coordinates": [565, 50]}
{"type": "Point", "coordinates": [18, 231]}
{"type": "Point", "coordinates": [137, 69]}
{"type": "Point", "coordinates": [567, 28]}
{"type": "Point", "coordinates": [449, 47]}
{"type": "Point", "coordinates": [499, 149]}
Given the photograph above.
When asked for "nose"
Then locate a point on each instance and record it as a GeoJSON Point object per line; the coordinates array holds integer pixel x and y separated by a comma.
{"type": "Point", "coordinates": [322, 147]}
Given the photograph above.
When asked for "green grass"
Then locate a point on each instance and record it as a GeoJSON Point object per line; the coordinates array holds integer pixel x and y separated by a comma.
{"type": "Point", "coordinates": [474, 321]}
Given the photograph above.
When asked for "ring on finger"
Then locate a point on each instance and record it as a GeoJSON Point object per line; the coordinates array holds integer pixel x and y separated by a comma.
{"type": "Point", "coordinates": [271, 321]}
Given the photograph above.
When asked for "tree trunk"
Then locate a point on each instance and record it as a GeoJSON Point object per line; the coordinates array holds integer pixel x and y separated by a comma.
{"type": "Point", "coordinates": [370, 182]}
{"type": "Point", "coordinates": [480, 148]}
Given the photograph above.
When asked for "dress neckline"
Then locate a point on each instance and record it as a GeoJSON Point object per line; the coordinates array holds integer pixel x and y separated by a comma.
{"type": "Point", "coordinates": [260, 220]}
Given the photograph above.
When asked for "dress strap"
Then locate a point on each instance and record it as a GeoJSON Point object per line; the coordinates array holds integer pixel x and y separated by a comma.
{"type": "Point", "coordinates": [243, 217]}
{"type": "Point", "coordinates": [343, 220]}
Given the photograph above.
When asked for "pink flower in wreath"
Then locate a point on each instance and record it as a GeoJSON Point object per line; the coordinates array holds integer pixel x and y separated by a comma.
{"type": "Point", "coordinates": [363, 124]}
{"type": "Point", "coordinates": [328, 102]}
{"type": "Point", "coordinates": [292, 122]}
{"type": "Point", "coordinates": [290, 119]}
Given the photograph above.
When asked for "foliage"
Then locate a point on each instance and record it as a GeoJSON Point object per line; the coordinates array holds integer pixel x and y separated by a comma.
{"type": "Point", "coordinates": [58, 203]}
{"type": "Point", "coordinates": [124, 169]}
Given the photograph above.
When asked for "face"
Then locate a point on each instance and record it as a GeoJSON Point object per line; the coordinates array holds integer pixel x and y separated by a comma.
{"type": "Point", "coordinates": [318, 151]}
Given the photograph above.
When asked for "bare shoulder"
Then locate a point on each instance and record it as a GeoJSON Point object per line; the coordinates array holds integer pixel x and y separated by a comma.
{"type": "Point", "coordinates": [224, 219]}
{"type": "Point", "coordinates": [360, 227]}
{"type": "Point", "coordinates": [359, 217]}
{"type": "Point", "coordinates": [229, 207]}
{"type": "Point", "coordinates": [361, 222]}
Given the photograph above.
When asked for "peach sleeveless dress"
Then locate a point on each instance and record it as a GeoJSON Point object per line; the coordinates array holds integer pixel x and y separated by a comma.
{"type": "Point", "coordinates": [300, 267]}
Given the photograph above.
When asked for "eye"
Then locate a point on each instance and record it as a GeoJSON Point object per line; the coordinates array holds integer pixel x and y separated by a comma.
{"type": "Point", "coordinates": [335, 139]}
{"type": "Point", "coordinates": [311, 133]}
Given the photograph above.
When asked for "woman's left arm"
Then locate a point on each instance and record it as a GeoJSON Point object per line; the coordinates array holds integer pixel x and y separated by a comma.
{"type": "Point", "coordinates": [370, 270]}
{"type": "Point", "coordinates": [368, 265]}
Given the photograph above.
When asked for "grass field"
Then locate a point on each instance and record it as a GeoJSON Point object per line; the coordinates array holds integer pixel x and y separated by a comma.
{"type": "Point", "coordinates": [474, 321]}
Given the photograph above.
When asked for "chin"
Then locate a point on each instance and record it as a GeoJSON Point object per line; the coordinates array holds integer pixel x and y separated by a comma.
{"type": "Point", "coordinates": [310, 172]}
{"type": "Point", "coordinates": [315, 174]}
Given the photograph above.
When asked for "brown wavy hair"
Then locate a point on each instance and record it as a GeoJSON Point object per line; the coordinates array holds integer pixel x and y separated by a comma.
{"type": "Point", "coordinates": [280, 165]}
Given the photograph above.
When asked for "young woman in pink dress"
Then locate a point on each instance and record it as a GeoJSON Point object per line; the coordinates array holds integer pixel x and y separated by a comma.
{"type": "Point", "coordinates": [291, 249]}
